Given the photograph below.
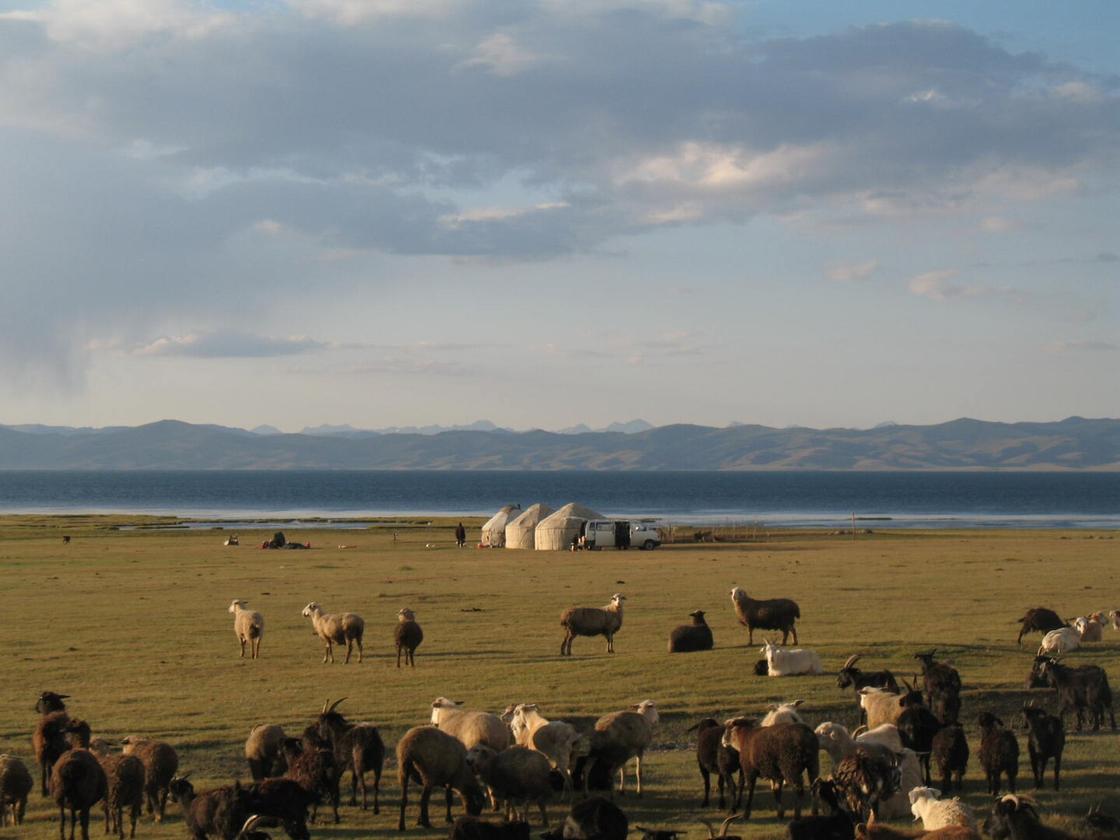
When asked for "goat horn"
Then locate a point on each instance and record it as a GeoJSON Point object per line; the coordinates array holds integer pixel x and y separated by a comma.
{"type": "Point", "coordinates": [727, 822]}
{"type": "Point", "coordinates": [326, 703]}
{"type": "Point", "coordinates": [711, 831]}
{"type": "Point", "coordinates": [334, 705]}
{"type": "Point", "coordinates": [851, 661]}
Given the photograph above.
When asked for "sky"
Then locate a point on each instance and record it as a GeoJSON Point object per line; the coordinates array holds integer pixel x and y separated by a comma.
{"type": "Point", "coordinates": [550, 212]}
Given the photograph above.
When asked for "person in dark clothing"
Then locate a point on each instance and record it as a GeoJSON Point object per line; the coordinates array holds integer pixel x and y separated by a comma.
{"type": "Point", "coordinates": [460, 535]}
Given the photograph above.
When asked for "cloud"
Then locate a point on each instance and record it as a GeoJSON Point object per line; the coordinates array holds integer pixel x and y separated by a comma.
{"type": "Point", "coordinates": [852, 272]}
{"type": "Point", "coordinates": [998, 224]}
{"type": "Point", "coordinates": [938, 285]}
{"type": "Point", "coordinates": [227, 345]}
{"type": "Point", "coordinates": [501, 55]}
{"type": "Point", "coordinates": [1082, 347]}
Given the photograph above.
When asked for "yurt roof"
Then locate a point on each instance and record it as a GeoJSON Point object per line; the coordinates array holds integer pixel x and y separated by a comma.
{"type": "Point", "coordinates": [532, 515]}
{"type": "Point", "coordinates": [572, 510]}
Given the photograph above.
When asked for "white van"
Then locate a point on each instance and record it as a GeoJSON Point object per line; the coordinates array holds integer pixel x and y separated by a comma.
{"type": "Point", "coordinates": [622, 533]}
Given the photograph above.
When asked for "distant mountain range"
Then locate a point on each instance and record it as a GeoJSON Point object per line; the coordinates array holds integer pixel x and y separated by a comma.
{"type": "Point", "coordinates": [1071, 444]}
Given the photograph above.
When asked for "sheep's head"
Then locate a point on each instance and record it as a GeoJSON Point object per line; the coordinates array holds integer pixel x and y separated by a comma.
{"type": "Point", "coordinates": [50, 702]}
{"type": "Point", "coordinates": [312, 608]}
{"type": "Point", "coordinates": [648, 710]}
{"type": "Point", "coordinates": [834, 732]}
{"type": "Point", "coordinates": [405, 614]}
{"type": "Point", "coordinates": [737, 594]}
{"type": "Point", "coordinates": [479, 758]}
{"type": "Point", "coordinates": [179, 789]}
{"type": "Point", "coordinates": [987, 720]}
{"type": "Point", "coordinates": [236, 604]}
{"type": "Point", "coordinates": [734, 728]}
{"type": "Point", "coordinates": [919, 796]}
{"type": "Point", "coordinates": [617, 599]}
{"type": "Point", "coordinates": [129, 743]}
{"type": "Point", "coordinates": [508, 714]}
{"type": "Point", "coordinates": [442, 703]}
{"type": "Point", "coordinates": [100, 747]}
{"type": "Point", "coordinates": [697, 616]}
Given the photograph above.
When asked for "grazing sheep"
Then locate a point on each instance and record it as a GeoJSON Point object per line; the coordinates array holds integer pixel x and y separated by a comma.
{"type": "Point", "coordinates": [407, 636]}
{"type": "Point", "coordinates": [285, 800]}
{"type": "Point", "coordinates": [774, 614]}
{"type": "Point", "coordinates": [927, 805]}
{"type": "Point", "coordinates": [1083, 689]}
{"type": "Point", "coordinates": [999, 752]}
{"type": "Point", "coordinates": [1059, 641]}
{"type": "Point", "coordinates": [264, 750]}
{"type": "Point", "coordinates": [594, 818]}
{"type": "Point", "coordinates": [691, 637]}
{"type": "Point", "coordinates": [785, 753]}
{"type": "Point", "coordinates": [213, 813]}
{"type": "Point", "coordinates": [950, 752]}
{"type": "Point", "coordinates": [865, 779]}
{"type": "Point", "coordinates": [471, 727]}
{"type": "Point", "coordinates": [620, 736]}
{"type": "Point", "coordinates": [1045, 740]}
{"type": "Point", "coordinates": [835, 825]}
{"type": "Point", "coordinates": [1016, 818]}
{"type": "Point", "coordinates": [713, 757]}
{"type": "Point", "coordinates": [160, 763]}
{"type": "Point", "coordinates": [592, 621]}
{"type": "Point", "coordinates": [1038, 620]}
{"type": "Point", "coordinates": [880, 706]}
{"type": "Point", "coordinates": [789, 662]}
{"type": "Point", "coordinates": [315, 770]}
{"type": "Point", "coordinates": [15, 785]}
{"type": "Point", "coordinates": [336, 629]}
{"type": "Point", "coordinates": [435, 760]}
{"type": "Point", "coordinates": [517, 776]}
{"type": "Point", "coordinates": [357, 747]}
{"type": "Point", "coordinates": [77, 783]}
{"type": "Point", "coordinates": [248, 626]}
{"type": "Point", "coordinates": [1090, 629]}
{"type": "Point", "coordinates": [557, 740]}
{"type": "Point", "coordinates": [473, 828]}
{"type": "Point", "coordinates": [782, 713]}
{"type": "Point", "coordinates": [124, 775]}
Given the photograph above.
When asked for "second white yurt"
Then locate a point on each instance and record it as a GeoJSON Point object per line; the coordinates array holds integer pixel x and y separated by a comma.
{"type": "Point", "coordinates": [556, 532]}
{"type": "Point", "coordinates": [519, 532]}
{"type": "Point", "coordinates": [494, 531]}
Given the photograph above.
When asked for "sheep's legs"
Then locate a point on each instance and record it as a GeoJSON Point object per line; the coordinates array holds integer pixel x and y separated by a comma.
{"type": "Point", "coordinates": [1057, 770]}
{"type": "Point", "coordinates": [329, 655]}
{"type": "Point", "coordinates": [708, 786]}
{"type": "Point", "coordinates": [776, 787]}
{"type": "Point", "coordinates": [610, 643]}
{"type": "Point", "coordinates": [447, 799]}
{"type": "Point", "coordinates": [257, 648]}
{"type": "Point", "coordinates": [377, 791]}
{"type": "Point", "coordinates": [361, 653]}
{"type": "Point", "coordinates": [750, 795]}
{"type": "Point", "coordinates": [242, 648]}
{"type": "Point", "coordinates": [639, 774]}
{"type": "Point", "coordinates": [544, 813]}
{"type": "Point", "coordinates": [399, 656]}
{"type": "Point", "coordinates": [404, 795]}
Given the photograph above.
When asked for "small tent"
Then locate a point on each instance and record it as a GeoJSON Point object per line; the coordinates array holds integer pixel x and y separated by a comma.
{"type": "Point", "coordinates": [519, 532]}
{"type": "Point", "coordinates": [494, 531]}
{"type": "Point", "coordinates": [556, 532]}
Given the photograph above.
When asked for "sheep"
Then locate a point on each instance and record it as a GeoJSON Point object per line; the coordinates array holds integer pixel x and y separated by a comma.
{"type": "Point", "coordinates": [1046, 740]}
{"type": "Point", "coordinates": [471, 727]}
{"type": "Point", "coordinates": [999, 752]}
{"type": "Point", "coordinates": [1083, 689]}
{"type": "Point", "coordinates": [473, 828]}
{"type": "Point", "coordinates": [160, 763]}
{"type": "Point", "coordinates": [620, 736]}
{"type": "Point", "coordinates": [124, 775]}
{"type": "Point", "coordinates": [1016, 818]}
{"type": "Point", "coordinates": [435, 759]}
{"type": "Point", "coordinates": [357, 747]}
{"type": "Point", "coordinates": [407, 636]}
{"type": "Point", "coordinates": [782, 713]}
{"type": "Point", "coordinates": [880, 706]}
{"type": "Point", "coordinates": [49, 741]}
{"type": "Point", "coordinates": [1059, 641]}
{"type": "Point", "coordinates": [1114, 619]}
{"type": "Point", "coordinates": [77, 783]}
{"type": "Point", "coordinates": [594, 818]}
{"type": "Point", "coordinates": [942, 686]}
{"type": "Point", "coordinates": [1090, 629]}
{"type": "Point", "coordinates": [852, 676]}
{"type": "Point", "coordinates": [15, 786]}
{"type": "Point", "coordinates": [836, 825]}
{"type": "Point", "coordinates": [789, 662]}
{"type": "Point", "coordinates": [517, 776]}
{"type": "Point", "coordinates": [713, 757]}
{"type": "Point", "coordinates": [774, 614]}
{"type": "Point", "coordinates": [336, 629]}
{"type": "Point", "coordinates": [872, 830]}
{"type": "Point", "coordinates": [285, 800]}
{"type": "Point", "coordinates": [592, 621]}
{"type": "Point", "coordinates": [691, 637]}
{"type": "Point", "coordinates": [315, 770]}
{"type": "Point", "coordinates": [927, 805]}
{"type": "Point", "coordinates": [838, 742]}
{"type": "Point", "coordinates": [917, 727]}
{"type": "Point", "coordinates": [1038, 620]}
{"type": "Point", "coordinates": [555, 739]}
{"type": "Point", "coordinates": [865, 779]}
{"type": "Point", "coordinates": [783, 754]}
{"type": "Point", "coordinates": [264, 751]}
{"type": "Point", "coordinates": [212, 813]}
{"type": "Point", "coordinates": [950, 752]}
{"type": "Point", "coordinates": [248, 626]}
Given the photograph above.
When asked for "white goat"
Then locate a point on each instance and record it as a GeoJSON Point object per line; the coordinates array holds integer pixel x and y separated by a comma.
{"type": "Point", "coordinates": [1089, 629]}
{"type": "Point", "coordinates": [788, 662]}
{"type": "Point", "coordinates": [1062, 640]}
{"type": "Point", "coordinates": [880, 706]}
{"type": "Point", "coordinates": [926, 805]}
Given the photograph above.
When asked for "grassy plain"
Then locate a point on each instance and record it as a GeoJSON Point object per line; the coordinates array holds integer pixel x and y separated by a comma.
{"type": "Point", "coordinates": [133, 625]}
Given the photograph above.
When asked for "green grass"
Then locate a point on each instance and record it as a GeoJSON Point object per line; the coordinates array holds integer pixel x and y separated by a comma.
{"type": "Point", "coordinates": [133, 625]}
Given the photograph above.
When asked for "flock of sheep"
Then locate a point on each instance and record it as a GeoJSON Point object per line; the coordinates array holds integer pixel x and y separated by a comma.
{"type": "Point", "coordinates": [520, 760]}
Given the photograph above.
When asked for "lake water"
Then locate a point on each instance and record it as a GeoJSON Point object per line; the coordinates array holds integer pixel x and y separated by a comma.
{"type": "Point", "coordinates": [880, 500]}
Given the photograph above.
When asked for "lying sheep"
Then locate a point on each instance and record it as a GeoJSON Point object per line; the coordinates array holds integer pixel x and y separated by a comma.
{"type": "Point", "coordinates": [1059, 641]}
{"type": "Point", "coordinates": [691, 637]}
{"type": "Point", "coordinates": [248, 626]}
{"type": "Point", "coordinates": [592, 621]}
{"type": "Point", "coordinates": [594, 818]}
{"type": "Point", "coordinates": [789, 662]}
{"type": "Point", "coordinates": [927, 805]}
{"type": "Point", "coordinates": [782, 713]}
{"type": "Point", "coordinates": [517, 776]}
{"type": "Point", "coordinates": [336, 629]}
{"type": "Point", "coordinates": [474, 828]}
{"type": "Point", "coordinates": [557, 740]}
{"type": "Point", "coordinates": [436, 760]}
{"type": "Point", "coordinates": [264, 750]}
{"type": "Point", "coordinates": [1090, 629]}
{"type": "Point", "coordinates": [471, 727]}
{"type": "Point", "coordinates": [15, 786]}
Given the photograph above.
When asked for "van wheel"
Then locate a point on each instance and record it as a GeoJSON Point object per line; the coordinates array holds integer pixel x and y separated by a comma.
{"type": "Point", "coordinates": [647, 545]}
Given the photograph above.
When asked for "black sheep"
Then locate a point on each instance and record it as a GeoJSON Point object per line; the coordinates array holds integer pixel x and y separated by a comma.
{"type": "Point", "coordinates": [999, 752]}
{"type": "Point", "coordinates": [713, 757]}
{"type": "Point", "coordinates": [691, 637]}
{"type": "Point", "coordinates": [218, 813]}
{"type": "Point", "coordinates": [407, 636]}
{"type": "Point", "coordinates": [77, 783]}
{"type": "Point", "coordinates": [1045, 740]}
{"type": "Point", "coordinates": [1038, 620]}
{"type": "Point", "coordinates": [473, 828]}
{"type": "Point", "coordinates": [836, 825]}
{"type": "Point", "coordinates": [950, 752]}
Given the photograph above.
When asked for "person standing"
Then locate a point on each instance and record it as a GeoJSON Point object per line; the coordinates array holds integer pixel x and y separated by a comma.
{"type": "Point", "coordinates": [460, 535]}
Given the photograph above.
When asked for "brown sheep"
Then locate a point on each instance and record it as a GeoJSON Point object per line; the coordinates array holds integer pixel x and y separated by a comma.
{"type": "Point", "coordinates": [125, 779]}
{"type": "Point", "coordinates": [160, 763]}
{"type": "Point", "coordinates": [517, 776]}
{"type": "Point", "coordinates": [785, 753]}
{"type": "Point", "coordinates": [435, 759]}
{"type": "Point", "coordinates": [77, 783]}
{"type": "Point", "coordinates": [592, 621]}
{"type": "Point", "coordinates": [15, 785]}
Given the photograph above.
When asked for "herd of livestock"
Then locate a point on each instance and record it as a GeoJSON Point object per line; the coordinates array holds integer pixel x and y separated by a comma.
{"type": "Point", "coordinates": [911, 736]}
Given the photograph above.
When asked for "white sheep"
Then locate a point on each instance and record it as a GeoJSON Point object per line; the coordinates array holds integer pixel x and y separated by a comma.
{"type": "Point", "coordinates": [926, 805]}
{"type": "Point", "coordinates": [1089, 629]}
{"type": "Point", "coordinates": [782, 713]}
{"type": "Point", "coordinates": [838, 742]}
{"type": "Point", "coordinates": [336, 629]}
{"type": "Point", "coordinates": [470, 727]}
{"type": "Point", "coordinates": [788, 662]}
{"type": "Point", "coordinates": [624, 735]}
{"type": "Point", "coordinates": [556, 739]}
{"type": "Point", "coordinates": [1114, 617]}
{"type": "Point", "coordinates": [1062, 640]}
{"type": "Point", "coordinates": [880, 706]}
{"type": "Point", "coordinates": [248, 626]}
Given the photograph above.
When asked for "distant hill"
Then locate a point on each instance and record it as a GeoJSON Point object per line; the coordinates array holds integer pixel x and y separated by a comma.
{"type": "Point", "coordinates": [1072, 444]}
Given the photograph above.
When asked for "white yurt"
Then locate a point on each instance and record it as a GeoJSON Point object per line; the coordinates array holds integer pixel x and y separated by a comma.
{"type": "Point", "coordinates": [519, 532]}
{"type": "Point", "coordinates": [555, 532]}
{"type": "Point", "coordinates": [494, 531]}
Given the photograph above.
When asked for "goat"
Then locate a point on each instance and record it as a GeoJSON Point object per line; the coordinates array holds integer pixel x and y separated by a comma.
{"type": "Point", "coordinates": [852, 677]}
{"type": "Point", "coordinates": [864, 779]}
{"type": "Point", "coordinates": [1083, 689]}
{"type": "Point", "coordinates": [950, 751]}
{"type": "Point", "coordinates": [836, 825]}
{"type": "Point", "coordinates": [1016, 818]}
{"type": "Point", "coordinates": [357, 747]}
{"type": "Point", "coordinates": [788, 662]}
{"type": "Point", "coordinates": [942, 686]}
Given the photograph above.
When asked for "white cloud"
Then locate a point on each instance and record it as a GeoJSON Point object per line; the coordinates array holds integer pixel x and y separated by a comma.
{"type": "Point", "coordinates": [852, 272]}
{"type": "Point", "coordinates": [938, 285]}
{"type": "Point", "coordinates": [227, 345]}
{"type": "Point", "coordinates": [354, 12]}
{"type": "Point", "coordinates": [1090, 346]}
{"type": "Point", "coordinates": [501, 55]}
{"type": "Point", "coordinates": [998, 224]}
{"type": "Point", "coordinates": [114, 24]}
